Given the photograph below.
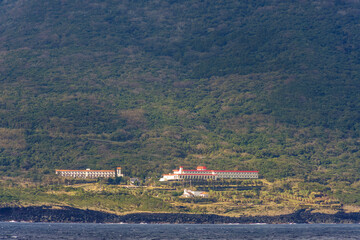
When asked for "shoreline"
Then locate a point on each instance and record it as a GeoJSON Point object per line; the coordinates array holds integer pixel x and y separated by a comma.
{"type": "Point", "coordinates": [65, 214]}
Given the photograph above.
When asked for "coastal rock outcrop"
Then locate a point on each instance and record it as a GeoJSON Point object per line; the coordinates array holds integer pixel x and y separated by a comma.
{"type": "Point", "coordinates": [67, 214]}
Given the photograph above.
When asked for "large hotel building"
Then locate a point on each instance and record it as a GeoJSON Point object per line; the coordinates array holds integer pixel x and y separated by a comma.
{"type": "Point", "coordinates": [202, 172]}
{"type": "Point", "coordinates": [90, 173]}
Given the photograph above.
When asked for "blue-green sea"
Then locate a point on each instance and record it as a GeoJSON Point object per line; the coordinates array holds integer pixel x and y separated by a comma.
{"type": "Point", "coordinates": [18, 230]}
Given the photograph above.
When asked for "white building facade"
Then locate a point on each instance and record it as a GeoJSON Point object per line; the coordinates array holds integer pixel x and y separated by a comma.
{"type": "Point", "coordinates": [90, 173]}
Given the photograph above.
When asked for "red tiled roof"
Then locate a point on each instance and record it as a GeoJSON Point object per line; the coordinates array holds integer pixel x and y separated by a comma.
{"type": "Point", "coordinates": [62, 170]}
{"type": "Point", "coordinates": [197, 174]}
{"type": "Point", "coordinates": [201, 168]}
{"type": "Point", "coordinates": [216, 171]}
{"type": "Point", "coordinates": [233, 171]}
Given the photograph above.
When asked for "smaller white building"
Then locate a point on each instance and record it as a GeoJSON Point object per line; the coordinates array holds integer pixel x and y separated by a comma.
{"type": "Point", "coordinates": [191, 194]}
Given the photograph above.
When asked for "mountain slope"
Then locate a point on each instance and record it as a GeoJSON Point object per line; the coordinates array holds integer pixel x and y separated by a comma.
{"type": "Point", "coordinates": [148, 85]}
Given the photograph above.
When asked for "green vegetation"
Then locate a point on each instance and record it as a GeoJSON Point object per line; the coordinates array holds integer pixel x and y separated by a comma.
{"type": "Point", "coordinates": [150, 85]}
{"type": "Point", "coordinates": [232, 198]}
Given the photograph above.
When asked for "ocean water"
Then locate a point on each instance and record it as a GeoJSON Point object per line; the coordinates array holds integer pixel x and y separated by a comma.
{"type": "Point", "coordinates": [10, 230]}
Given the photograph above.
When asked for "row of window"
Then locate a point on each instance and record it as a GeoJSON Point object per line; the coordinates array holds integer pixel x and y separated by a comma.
{"type": "Point", "coordinates": [197, 177]}
{"type": "Point", "coordinates": [88, 173]}
{"type": "Point", "coordinates": [218, 176]}
{"type": "Point", "coordinates": [83, 174]}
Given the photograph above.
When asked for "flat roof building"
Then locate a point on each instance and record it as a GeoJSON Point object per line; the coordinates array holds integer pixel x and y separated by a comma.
{"type": "Point", "coordinates": [90, 173]}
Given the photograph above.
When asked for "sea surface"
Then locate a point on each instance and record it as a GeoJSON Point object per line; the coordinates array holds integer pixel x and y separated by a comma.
{"type": "Point", "coordinates": [16, 230]}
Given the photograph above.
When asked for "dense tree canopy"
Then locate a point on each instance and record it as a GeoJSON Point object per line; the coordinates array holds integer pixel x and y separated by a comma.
{"type": "Point", "coordinates": [255, 85]}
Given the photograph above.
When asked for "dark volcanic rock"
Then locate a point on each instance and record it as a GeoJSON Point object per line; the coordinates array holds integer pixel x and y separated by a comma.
{"type": "Point", "coordinates": [49, 214]}
{"type": "Point", "coordinates": [69, 214]}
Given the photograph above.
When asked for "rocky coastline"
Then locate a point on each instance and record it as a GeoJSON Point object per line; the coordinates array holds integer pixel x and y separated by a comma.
{"type": "Point", "coordinates": [65, 214]}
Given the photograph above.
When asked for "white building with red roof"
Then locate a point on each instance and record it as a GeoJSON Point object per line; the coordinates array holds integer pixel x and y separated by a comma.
{"type": "Point", "coordinates": [203, 173]}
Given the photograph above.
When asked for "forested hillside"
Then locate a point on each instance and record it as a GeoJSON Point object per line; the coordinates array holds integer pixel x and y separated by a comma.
{"type": "Point", "coordinates": [148, 85]}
